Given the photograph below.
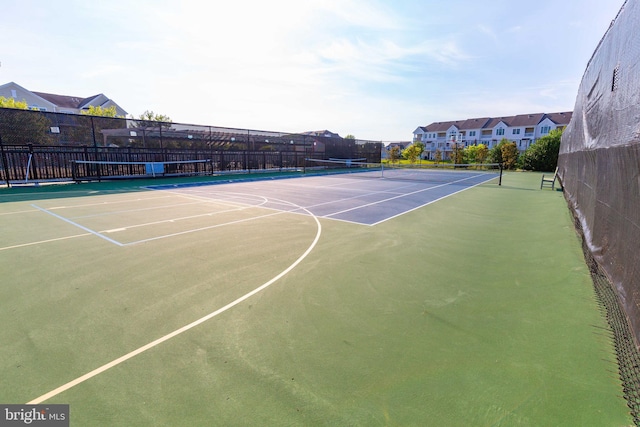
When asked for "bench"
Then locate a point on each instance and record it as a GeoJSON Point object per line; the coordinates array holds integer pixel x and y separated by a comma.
{"type": "Point", "coordinates": [549, 181]}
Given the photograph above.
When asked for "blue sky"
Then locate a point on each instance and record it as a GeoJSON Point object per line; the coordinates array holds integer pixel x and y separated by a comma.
{"type": "Point", "coordinates": [374, 69]}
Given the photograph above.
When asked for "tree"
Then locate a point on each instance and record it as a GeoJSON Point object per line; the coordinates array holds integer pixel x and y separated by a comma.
{"type": "Point", "coordinates": [437, 156]}
{"type": "Point", "coordinates": [149, 119]}
{"type": "Point", "coordinates": [413, 152]}
{"type": "Point", "coordinates": [100, 112]}
{"type": "Point", "coordinates": [457, 156]}
{"type": "Point", "coordinates": [505, 152]}
{"type": "Point", "coordinates": [509, 152]}
{"type": "Point", "coordinates": [482, 152]}
{"type": "Point", "coordinates": [419, 147]}
{"type": "Point", "coordinates": [394, 154]}
{"type": "Point", "coordinates": [349, 136]}
{"type": "Point", "coordinates": [151, 125]}
{"type": "Point", "coordinates": [22, 126]}
{"type": "Point", "coordinates": [12, 103]}
{"type": "Point", "coordinates": [495, 154]}
{"type": "Point", "coordinates": [470, 153]}
{"type": "Point", "coordinates": [543, 155]}
{"type": "Point", "coordinates": [476, 153]}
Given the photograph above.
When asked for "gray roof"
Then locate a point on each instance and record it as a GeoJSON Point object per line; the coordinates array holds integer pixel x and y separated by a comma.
{"type": "Point", "coordinates": [562, 119]}
{"type": "Point", "coordinates": [533, 119]}
{"type": "Point", "coordinates": [65, 101]}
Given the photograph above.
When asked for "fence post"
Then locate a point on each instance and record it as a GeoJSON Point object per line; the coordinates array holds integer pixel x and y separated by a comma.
{"type": "Point", "coordinates": [31, 166]}
{"type": "Point", "coordinates": [95, 146]}
{"type": "Point", "coordinates": [5, 166]}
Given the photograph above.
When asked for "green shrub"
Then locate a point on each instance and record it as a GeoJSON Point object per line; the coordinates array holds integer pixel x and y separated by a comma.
{"type": "Point", "coordinates": [543, 154]}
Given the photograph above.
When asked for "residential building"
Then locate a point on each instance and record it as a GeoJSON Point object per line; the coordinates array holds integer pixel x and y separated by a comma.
{"type": "Point", "coordinates": [57, 103]}
{"type": "Point", "coordinates": [523, 129]}
{"type": "Point", "coordinates": [401, 145]}
{"type": "Point", "coordinates": [322, 133]}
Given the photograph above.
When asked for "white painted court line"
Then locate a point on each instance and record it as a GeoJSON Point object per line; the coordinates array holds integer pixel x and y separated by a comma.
{"type": "Point", "coordinates": [428, 203]}
{"type": "Point", "coordinates": [407, 194]}
{"type": "Point", "coordinates": [192, 195]}
{"type": "Point", "coordinates": [210, 227]}
{"type": "Point", "coordinates": [75, 224]}
{"type": "Point", "coordinates": [103, 214]}
{"type": "Point", "coordinates": [43, 241]}
{"type": "Point", "coordinates": [183, 218]}
{"type": "Point", "coordinates": [65, 191]}
{"type": "Point", "coordinates": [18, 212]}
{"type": "Point", "coordinates": [177, 332]}
{"type": "Point", "coordinates": [196, 200]}
{"type": "Point", "coordinates": [199, 199]}
{"type": "Point", "coordinates": [117, 202]}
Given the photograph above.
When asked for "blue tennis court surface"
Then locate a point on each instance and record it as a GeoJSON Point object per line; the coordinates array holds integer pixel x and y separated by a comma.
{"type": "Point", "coordinates": [344, 197]}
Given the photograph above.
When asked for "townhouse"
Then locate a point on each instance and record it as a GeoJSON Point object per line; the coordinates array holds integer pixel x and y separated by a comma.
{"type": "Point", "coordinates": [49, 102]}
{"type": "Point", "coordinates": [523, 129]}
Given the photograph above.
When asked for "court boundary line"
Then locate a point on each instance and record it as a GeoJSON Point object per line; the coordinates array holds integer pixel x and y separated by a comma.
{"type": "Point", "coordinates": [195, 230]}
{"type": "Point", "coordinates": [187, 327]}
{"type": "Point", "coordinates": [18, 212]}
{"type": "Point", "coordinates": [22, 245]}
{"type": "Point", "coordinates": [100, 234]}
{"type": "Point", "coordinates": [104, 214]}
{"type": "Point", "coordinates": [409, 194]}
{"type": "Point", "coordinates": [331, 216]}
{"type": "Point", "coordinates": [84, 205]}
{"type": "Point", "coordinates": [75, 224]}
{"type": "Point", "coordinates": [427, 204]}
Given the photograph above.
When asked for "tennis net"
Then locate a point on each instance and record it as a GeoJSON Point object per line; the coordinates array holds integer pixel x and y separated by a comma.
{"type": "Point", "coordinates": [87, 170]}
{"type": "Point", "coordinates": [428, 172]}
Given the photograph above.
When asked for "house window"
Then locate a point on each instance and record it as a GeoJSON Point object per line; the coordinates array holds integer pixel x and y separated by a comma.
{"type": "Point", "coordinates": [545, 130]}
{"type": "Point", "coordinates": [13, 93]}
{"type": "Point", "coordinates": [472, 133]}
{"type": "Point", "coordinates": [500, 131]}
{"type": "Point", "coordinates": [516, 131]}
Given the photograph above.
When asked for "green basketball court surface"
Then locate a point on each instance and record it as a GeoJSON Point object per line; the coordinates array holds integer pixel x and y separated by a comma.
{"type": "Point", "coordinates": [148, 307]}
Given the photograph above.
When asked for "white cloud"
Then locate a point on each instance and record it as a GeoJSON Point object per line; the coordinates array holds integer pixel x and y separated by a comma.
{"type": "Point", "coordinates": [373, 68]}
{"type": "Point", "coordinates": [488, 31]}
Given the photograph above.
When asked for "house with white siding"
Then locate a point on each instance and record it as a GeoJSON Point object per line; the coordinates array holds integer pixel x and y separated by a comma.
{"type": "Point", "coordinates": [523, 129]}
{"type": "Point", "coordinates": [43, 101]}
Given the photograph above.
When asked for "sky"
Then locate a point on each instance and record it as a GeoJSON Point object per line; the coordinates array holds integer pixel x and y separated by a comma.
{"type": "Point", "coordinates": [375, 69]}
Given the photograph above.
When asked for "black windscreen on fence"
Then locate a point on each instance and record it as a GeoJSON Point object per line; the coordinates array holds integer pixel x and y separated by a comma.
{"type": "Point", "coordinates": [39, 145]}
{"type": "Point", "coordinates": [599, 167]}
{"type": "Point", "coordinates": [599, 160]}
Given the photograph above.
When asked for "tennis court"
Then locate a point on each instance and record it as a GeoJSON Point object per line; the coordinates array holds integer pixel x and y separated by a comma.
{"type": "Point", "coordinates": [341, 197]}
{"type": "Point", "coordinates": [319, 300]}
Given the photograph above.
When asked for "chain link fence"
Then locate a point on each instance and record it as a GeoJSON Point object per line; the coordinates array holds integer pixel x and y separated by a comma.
{"type": "Point", "coordinates": [39, 146]}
